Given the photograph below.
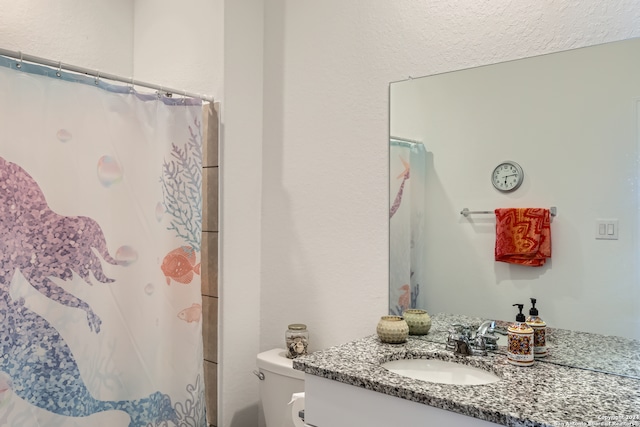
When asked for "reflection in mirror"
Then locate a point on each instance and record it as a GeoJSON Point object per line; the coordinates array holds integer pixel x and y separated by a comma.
{"type": "Point", "coordinates": [406, 224]}
{"type": "Point", "coordinates": [571, 121]}
{"type": "Point", "coordinates": [584, 350]}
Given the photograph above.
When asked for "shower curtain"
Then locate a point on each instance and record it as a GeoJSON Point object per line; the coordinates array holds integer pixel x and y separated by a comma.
{"type": "Point", "coordinates": [100, 228]}
{"type": "Point", "coordinates": [407, 169]}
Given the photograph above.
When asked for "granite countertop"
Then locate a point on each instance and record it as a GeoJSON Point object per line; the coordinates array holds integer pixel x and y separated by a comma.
{"type": "Point", "coordinates": [542, 395]}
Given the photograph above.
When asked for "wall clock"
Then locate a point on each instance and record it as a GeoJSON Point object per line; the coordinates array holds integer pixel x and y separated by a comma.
{"type": "Point", "coordinates": [507, 176]}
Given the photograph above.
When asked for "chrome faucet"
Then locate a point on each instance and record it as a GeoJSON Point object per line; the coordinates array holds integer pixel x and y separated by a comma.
{"type": "Point", "coordinates": [486, 326]}
{"type": "Point", "coordinates": [486, 331]}
{"type": "Point", "coordinates": [460, 340]}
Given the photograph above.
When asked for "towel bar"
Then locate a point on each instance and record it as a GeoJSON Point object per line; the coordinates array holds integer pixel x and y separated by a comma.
{"type": "Point", "coordinates": [466, 212]}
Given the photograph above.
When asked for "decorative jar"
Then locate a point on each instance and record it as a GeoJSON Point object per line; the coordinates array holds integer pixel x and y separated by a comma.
{"type": "Point", "coordinates": [297, 339]}
{"type": "Point", "coordinates": [392, 329]}
{"type": "Point", "coordinates": [418, 320]}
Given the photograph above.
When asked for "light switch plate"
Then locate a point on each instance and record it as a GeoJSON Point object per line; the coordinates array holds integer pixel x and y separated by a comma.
{"type": "Point", "coordinates": [607, 229]}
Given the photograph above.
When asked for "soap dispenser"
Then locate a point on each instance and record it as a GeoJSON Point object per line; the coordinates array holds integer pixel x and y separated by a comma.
{"type": "Point", "coordinates": [520, 337]}
{"type": "Point", "coordinates": [539, 331]}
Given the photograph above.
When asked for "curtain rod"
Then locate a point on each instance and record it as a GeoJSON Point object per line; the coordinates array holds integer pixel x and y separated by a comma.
{"type": "Point", "coordinates": [99, 74]}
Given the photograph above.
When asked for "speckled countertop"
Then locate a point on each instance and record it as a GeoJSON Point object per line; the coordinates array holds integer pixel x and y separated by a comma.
{"type": "Point", "coordinates": [550, 394]}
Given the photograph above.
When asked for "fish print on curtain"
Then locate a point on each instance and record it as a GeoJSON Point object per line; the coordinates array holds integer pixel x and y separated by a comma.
{"type": "Point", "coordinates": [100, 225]}
{"type": "Point", "coordinates": [407, 166]}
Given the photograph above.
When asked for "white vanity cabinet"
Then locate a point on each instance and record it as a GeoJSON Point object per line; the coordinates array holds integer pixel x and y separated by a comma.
{"type": "Point", "coordinates": [331, 403]}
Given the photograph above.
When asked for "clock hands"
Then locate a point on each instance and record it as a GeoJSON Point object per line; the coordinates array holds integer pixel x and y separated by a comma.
{"type": "Point", "coordinates": [507, 176]}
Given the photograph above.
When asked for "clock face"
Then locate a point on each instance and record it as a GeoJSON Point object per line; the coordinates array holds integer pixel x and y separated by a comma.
{"type": "Point", "coordinates": [507, 176]}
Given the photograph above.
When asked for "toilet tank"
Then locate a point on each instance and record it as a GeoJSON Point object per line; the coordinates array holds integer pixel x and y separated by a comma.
{"type": "Point", "coordinates": [279, 383]}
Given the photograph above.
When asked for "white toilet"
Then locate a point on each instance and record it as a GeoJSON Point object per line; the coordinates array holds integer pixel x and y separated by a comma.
{"type": "Point", "coordinates": [278, 382]}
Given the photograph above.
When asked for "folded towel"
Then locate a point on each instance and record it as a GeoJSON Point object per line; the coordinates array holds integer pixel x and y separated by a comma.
{"type": "Point", "coordinates": [523, 236]}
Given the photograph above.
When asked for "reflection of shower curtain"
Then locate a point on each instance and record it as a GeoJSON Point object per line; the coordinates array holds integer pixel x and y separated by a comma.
{"type": "Point", "coordinates": [100, 225]}
{"type": "Point", "coordinates": [407, 165]}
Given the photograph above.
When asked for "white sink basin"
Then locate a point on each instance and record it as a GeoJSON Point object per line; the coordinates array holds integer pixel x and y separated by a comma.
{"type": "Point", "coordinates": [439, 371]}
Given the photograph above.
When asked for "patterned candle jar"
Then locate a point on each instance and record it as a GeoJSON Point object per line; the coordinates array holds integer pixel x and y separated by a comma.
{"type": "Point", "coordinates": [392, 329]}
{"type": "Point", "coordinates": [418, 320]}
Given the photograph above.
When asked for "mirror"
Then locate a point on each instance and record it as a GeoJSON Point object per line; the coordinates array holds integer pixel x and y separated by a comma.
{"type": "Point", "coordinates": [571, 120]}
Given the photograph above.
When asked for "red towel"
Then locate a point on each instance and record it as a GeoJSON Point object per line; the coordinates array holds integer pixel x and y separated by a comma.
{"type": "Point", "coordinates": [523, 236]}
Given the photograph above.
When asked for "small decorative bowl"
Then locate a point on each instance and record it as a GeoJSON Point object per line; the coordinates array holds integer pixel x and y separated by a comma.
{"type": "Point", "coordinates": [418, 320]}
{"type": "Point", "coordinates": [392, 329]}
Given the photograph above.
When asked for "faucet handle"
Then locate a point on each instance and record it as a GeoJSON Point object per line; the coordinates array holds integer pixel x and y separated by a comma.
{"type": "Point", "coordinates": [480, 342]}
{"type": "Point", "coordinates": [462, 328]}
{"type": "Point", "coordinates": [480, 346]}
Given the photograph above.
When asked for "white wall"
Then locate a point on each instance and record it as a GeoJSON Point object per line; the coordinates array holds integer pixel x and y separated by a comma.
{"type": "Point", "coordinates": [324, 232]}
{"type": "Point", "coordinates": [93, 34]}
{"type": "Point", "coordinates": [241, 199]}
{"type": "Point", "coordinates": [180, 44]}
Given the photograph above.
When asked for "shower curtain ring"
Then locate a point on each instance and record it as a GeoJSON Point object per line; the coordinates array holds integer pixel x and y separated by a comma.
{"type": "Point", "coordinates": [97, 78]}
{"type": "Point", "coordinates": [59, 72]}
{"type": "Point", "coordinates": [19, 64]}
{"type": "Point", "coordinates": [131, 89]}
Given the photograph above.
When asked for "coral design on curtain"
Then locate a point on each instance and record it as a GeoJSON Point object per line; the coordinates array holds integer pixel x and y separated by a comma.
{"type": "Point", "coordinates": [100, 225]}
{"type": "Point", "coordinates": [407, 169]}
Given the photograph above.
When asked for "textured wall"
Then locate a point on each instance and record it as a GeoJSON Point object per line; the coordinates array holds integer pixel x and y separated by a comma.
{"type": "Point", "coordinates": [180, 44]}
{"type": "Point", "coordinates": [95, 35]}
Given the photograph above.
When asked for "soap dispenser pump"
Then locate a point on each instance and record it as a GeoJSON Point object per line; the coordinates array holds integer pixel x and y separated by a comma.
{"type": "Point", "coordinates": [520, 340]}
{"type": "Point", "coordinates": [539, 331]}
